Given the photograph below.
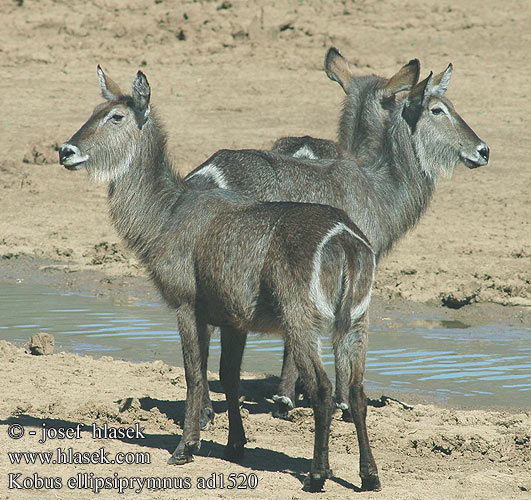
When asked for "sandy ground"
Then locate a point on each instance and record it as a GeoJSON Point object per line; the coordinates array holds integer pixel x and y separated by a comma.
{"type": "Point", "coordinates": [423, 452]}
{"type": "Point", "coordinates": [241, 74]}
{"type": "Point", "coordinates": [248, 74]}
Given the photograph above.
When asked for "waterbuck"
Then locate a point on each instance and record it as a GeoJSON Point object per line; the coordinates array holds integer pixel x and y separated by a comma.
{"type": "Point", "coordinates": [362, 131]}
{"type": "Point", "coordinates": [385, 192]}
{"type": "Point", "coordinates": [365, 116]}
{"type": "Point", "coordinates": [222, 259]}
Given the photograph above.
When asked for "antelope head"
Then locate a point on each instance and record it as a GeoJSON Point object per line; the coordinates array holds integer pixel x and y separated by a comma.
{"type": "Point", "coordinates": [106, 143]}
{"type": "Point", "coordinates": [440, 137]}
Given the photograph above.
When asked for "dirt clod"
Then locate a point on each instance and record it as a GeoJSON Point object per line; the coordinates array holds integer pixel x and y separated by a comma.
{"type": "Point", "coordinates": [41, 344]}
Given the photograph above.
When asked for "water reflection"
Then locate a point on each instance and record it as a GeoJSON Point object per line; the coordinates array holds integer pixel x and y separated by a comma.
{"type": "Point", "coordinates": [447, 360]}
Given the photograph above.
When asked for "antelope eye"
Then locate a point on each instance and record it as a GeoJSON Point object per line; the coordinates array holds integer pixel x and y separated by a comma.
{"type": "Point", "coordinates": [116, 117]}
{"type": "Point", "coordinates": [437, 111]}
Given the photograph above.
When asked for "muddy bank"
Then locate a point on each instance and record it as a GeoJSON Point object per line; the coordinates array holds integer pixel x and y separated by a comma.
{"type": "Point", "coordinates": [419, 352]}
{"type": "Point", "coordinates": [130, 283]}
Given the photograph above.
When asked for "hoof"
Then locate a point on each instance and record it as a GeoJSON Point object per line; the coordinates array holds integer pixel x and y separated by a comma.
{"type": "Point", "coordinates": [314, 482]}
{"type": "Point", "coordinates": [347, 416]}
{"type": "Point", "coordinates": [281, 413]}
{"type": "Point", "coordinates": [284, 405]}
{"type": "Point", "coordinates": [371, 483]}
{"type": "Point", "coordinates": [234, 452]}
{"type": "Point", "coordinates": [182, 456]}
{"type": "Point", "coordinates": [180, 459]}
{"type": "Point", "coordinates": [207, 418]}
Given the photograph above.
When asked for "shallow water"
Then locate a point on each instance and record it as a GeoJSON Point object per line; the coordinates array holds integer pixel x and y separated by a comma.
{"type": "Point", "coordinates": [446, 361]}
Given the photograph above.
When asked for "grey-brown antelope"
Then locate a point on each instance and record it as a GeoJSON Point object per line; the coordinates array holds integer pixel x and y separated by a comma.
{"type": "Point", "coordinates": [363, 125]}
{"type": "Point", "coordinates": [362, 131]}
{"type": "Point", "coordinates": [385, 191]}
{"type": "Point", "coordinates": [219, 258]}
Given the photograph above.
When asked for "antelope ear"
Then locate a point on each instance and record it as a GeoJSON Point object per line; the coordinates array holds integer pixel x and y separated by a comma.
{"type": "Point", "coordinates": [416, 101]}
{"type": "Point", "coordinates": [337, 68]}
{"type": "Point", "coordinates": [441, 81]}
{"type": "Point", "coordinates": [421, 92]}
{"type": "Point", "coordinates": [109, 89]}
{"type": "Point", "coordinates": [405, 79]}
{"type": "Point", "coordinates": [141, 93]}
